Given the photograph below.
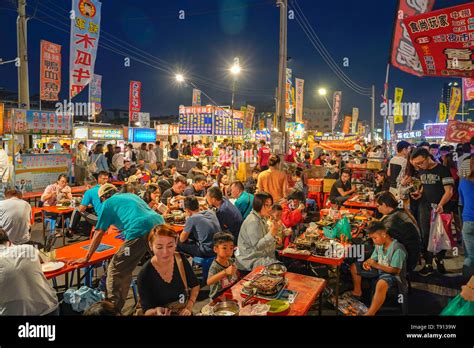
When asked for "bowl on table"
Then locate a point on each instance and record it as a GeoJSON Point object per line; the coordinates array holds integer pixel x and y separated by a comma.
{"type": "Point", "coordinates": [226, 308]}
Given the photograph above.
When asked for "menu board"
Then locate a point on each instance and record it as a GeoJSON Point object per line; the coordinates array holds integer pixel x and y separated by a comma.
{"type": "Point", "coordinates": [37, 171]}
{"type": "Point", "coordinates": [105, 133]}
{"type": "Point", "coordinates": [142, 135]}
{"type": "Point", "coordinates": [223, 122]}
{"type": "Point", "coordinates": [195, 120]}
{"type": "Point", "coordinates": [42, 122]}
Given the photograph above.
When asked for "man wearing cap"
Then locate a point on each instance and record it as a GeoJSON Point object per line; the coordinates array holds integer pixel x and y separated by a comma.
{"type": "Point", "coordinates": [135, 219]}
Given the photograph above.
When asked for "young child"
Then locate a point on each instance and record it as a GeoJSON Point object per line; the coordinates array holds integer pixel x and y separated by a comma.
{"type": "Point", "coordinates": [386, 266]}
{"type": "Point", "coordinates": [283, 236]}
{"type": "Point", "coordinates": [223, 273]}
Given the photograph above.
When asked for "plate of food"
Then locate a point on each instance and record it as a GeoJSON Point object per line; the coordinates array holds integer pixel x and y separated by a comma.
{"type": "Point", "coordinates": [278, 307]}
{"type": "Point", "coordinates": [52, 266]}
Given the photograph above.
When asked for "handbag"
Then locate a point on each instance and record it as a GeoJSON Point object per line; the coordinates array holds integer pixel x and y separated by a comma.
{"type": "Point", "coordinates": [92, 167]}
{"type": "Point", "coordinates": [177, 306]}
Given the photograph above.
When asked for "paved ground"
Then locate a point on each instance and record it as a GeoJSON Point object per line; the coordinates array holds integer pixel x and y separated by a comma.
{"type": "Point", "coordinates": [428, 295]}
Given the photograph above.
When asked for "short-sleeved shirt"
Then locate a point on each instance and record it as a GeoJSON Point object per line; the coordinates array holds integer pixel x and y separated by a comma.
{"type": "Point", "coordinates": [23, 287]}
{"type": "Point", "coordinates": [54, 200]}
{"type": "Point", "coordinates": [395, 256]}
{"type": "Point", "coordinates": [264, 154]}
{"type": "Point", "coordinates": [229, 217]}
{"type": "Point", "coordinates": [225, 282]}
{"type": "Point", "coordinates": [244, 203]}
{"type": "Point", "coordinates": [191, 191]}
{"type": "Point", "coordinates": [128, 213]}
{"type": "Point", "coordinates": [272, 181]}
{"type": "Point", "coordinates": [91, 197]}
{"type": "Point", "coordinates": [169, 193]}
{"type": "Point", "coordinates": [339, 184]}
{"type": "Point", "coordinates": [15, 218]}
{"type": "Point", "coordinates": [397, 170]}
{"type": "Point", "coordinates": [202, 227]}
{"type": "Point", "coordinates": [433, 181]}
{"type": "Point", "coordinates": [155, 292]}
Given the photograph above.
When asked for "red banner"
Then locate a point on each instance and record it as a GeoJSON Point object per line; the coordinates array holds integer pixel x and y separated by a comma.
{"type": "Point", "coordinates": [404, 55]}
{"type": "Point", "coordinates": [443, 40]}
{"type": "Point", "coordinates": [135, 100]}
{"type": "Point", "coordinates": [50, 67]}
{"type": "Point", "coordinates": [459, 132]}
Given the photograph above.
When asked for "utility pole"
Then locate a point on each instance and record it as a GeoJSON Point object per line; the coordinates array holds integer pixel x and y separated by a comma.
{"type": "Point", "coordinates": [372, 120]}
{"type": "Point", "coordinates": [23, 84]}
{"type": "Point", "coordinates": [281, 110]}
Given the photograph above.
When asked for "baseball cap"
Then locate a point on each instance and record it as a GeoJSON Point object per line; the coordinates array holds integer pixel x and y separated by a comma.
{"type": "Point", "coordinates": [106, 188]}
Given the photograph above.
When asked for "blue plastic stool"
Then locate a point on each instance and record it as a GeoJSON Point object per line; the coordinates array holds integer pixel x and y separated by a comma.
{"type": "Point", "coordinates": [205, 263]}
{"type": "Point", "coordinates": [52, 224]}
{"type": "Point", "coordinates": [311, 203]}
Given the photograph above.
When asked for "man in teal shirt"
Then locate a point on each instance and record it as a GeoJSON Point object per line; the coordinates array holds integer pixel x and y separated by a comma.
{"type": "Point", "coordinates": [135, 219]}
{"type": "Point", "coordinates": [89, 200]}
{"type": "Point", "coordinates": [244, 200]}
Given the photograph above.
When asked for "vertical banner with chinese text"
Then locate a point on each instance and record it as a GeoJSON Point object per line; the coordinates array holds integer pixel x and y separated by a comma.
{"type": "Point", "coordinates": [397, 110]}
{"type": "Point", "coordinates": [455, 102]}
{"type": "Point", "coordinates": [249, 113]}
{"type": "Point", "coordinates": [50, 68]}
{"type": "Point", "coordinates": [85, 30]}
{"type": "Point", "coordinates": [336, 107]}
{"type": "Point", "coordinates": [403, 55]}
{"type": "Point", "coordinates": [196, 97]}
{"type": "Point", "coordinates": [443, 112]}
{"type": "Point", "coordinates": [135, 100]}
{"type": "Point", "coordinates": [95, 94]}
{"type": "Point", "coordinates": [299, 100]}
{"type": "Point", "coordinates": [346, 128]}
{"type": "Point", "coordinates": [289, 98]}
{"type": "Point", "coordinates": [355, 118]}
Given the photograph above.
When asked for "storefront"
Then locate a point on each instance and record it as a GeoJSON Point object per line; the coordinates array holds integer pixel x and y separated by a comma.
{"type": "Point", "coordinates": [33, 170]}
{"type": "Point", "coordinates": [92, 133]}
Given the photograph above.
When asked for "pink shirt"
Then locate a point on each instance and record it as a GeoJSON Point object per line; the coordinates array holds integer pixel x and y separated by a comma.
{"type": "Point", "coordinates": [57, 196]}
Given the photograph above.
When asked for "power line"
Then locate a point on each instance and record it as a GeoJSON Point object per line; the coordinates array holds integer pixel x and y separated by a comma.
{"type": "Point", "coordinates": [321, 49]}
{"type": "Point", "coordinates": [166, 65]}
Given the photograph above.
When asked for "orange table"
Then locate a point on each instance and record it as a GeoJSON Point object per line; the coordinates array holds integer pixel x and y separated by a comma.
{"type": "Point", "coordinates": [361, 205]}
{"type": "Point", "coordinates": [177, 228]}
{"type": "Point", "coordinates": [59, 211]}
{"type": "Point", "coordinates": [75, 251]}
{"type": "Point", "coordinates": [325, 212]}
{"type": "Point", "coordinates": [308, 259]}
{"type": "Point", "coordinates": [27, 196]}
{"type": "Point", "coordinates": [308, 288]}
{"type": "Point", "coordinates": [118, 183]}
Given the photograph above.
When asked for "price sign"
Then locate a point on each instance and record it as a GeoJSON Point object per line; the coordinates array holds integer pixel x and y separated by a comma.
{"type": "Point", "coordinates": [459, 132]}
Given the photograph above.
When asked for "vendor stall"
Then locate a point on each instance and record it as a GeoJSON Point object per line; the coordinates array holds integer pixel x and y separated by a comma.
{"type": "Point", "coordinates": [92, 133]}
{"type": "Point", "coordinates": [34, 171]}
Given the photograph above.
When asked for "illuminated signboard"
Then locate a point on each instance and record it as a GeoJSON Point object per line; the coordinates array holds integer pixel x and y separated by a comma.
{"type": "Point", "coordinates": [435, 130]}
{"type": "Point", "coordinates": [80, 133]}
{"type": "Point", "coordinates": [106, 133]}
{"type": "Point", "coordinates": [409, 135]}
{"type": "Point", "coordinates": [142, 135]}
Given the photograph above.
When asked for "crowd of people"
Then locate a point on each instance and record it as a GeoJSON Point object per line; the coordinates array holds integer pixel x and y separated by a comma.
{"type": "Point", "coordinates": [241, 224]}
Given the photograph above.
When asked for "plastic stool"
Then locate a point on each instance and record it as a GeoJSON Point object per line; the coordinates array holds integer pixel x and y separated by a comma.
{"type": "Point", "coordinates": [134, 287]}
{"type": "Point", "coordinates": [52, 224]}
{"type": "Point", "coordinates": [205, 263]}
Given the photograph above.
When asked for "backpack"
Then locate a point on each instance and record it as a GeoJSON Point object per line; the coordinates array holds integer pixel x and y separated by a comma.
{"type": "Point", "coordinates": [134, 156]}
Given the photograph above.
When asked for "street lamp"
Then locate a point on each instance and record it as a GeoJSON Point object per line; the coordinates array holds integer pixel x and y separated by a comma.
{"type": "Point", "coordinates": [235, 71]}
{"type": "Point", "coordinates": [323, 93]}
{"type": "Point", "coordinates": [179, 77]}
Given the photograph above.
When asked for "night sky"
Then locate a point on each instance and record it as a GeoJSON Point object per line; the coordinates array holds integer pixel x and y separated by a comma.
{"type": "Point", "coordinates": [204, 44]}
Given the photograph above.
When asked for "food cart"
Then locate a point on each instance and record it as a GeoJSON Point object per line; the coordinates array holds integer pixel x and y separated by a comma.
{"type": "Point", "coordinates": [34, 171]}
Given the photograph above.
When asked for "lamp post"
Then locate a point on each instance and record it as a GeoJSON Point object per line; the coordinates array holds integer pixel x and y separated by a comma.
{"type": "Point", "coordinates": [235, 71]}
{"type": "Point", "coordinates": [323, 93]}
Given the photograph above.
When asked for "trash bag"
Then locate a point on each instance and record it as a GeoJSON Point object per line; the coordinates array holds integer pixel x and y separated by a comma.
{"type": "Point", "coordinates": [439, 239]}
{"type": "Point", "coordinates": [343, 228]}
{"type": "Point", "coordinates": [458, 307]}
{"type": "Point", "coordinates": [82, 298]}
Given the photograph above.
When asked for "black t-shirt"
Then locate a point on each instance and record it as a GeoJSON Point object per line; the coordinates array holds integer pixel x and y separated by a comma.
{"type": "Point", "coordinates": [338, 184]}
{"type": "Point", "coordinates": [155, 292]}
{"type": "Point", "coordinates": [168, 193]}
{"type": "Point", "coordinates": [433, 181]}
{"type": "Point", "coordinates": [174, 154]}
{"type": "Point", "coordinates": [191, 191]}
{"type": "Point", "coordinates": [164, 185]}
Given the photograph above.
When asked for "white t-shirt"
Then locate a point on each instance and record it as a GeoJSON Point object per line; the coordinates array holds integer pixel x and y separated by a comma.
{"type": "Point", "coordinates": [15, 218]}
{"type": "Point", "coordinates": [23, 287]}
